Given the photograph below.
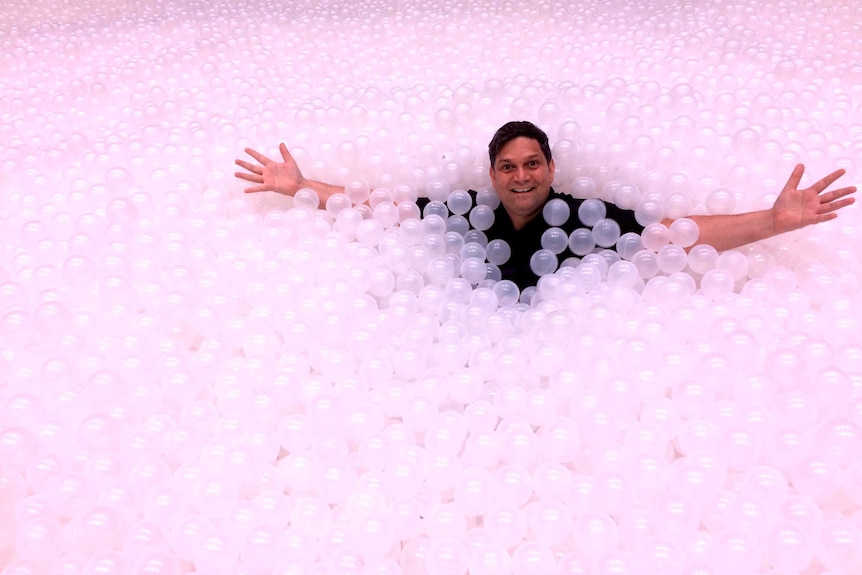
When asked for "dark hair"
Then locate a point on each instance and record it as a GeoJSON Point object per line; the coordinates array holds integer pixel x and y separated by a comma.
{"type": "Point", "coordinates": [512, 130]}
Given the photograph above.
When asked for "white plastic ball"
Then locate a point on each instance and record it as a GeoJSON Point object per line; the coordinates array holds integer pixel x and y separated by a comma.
{"type": "Point", "coordinates": [556, 212]}
{"type": "Point", "coordinates": [438, 190]}
{"type": "Point", "coordinates": [683, 232]}
{"type": "Point", "coordinates": [306, 199]}
{"type": "Point", "coordinates": [488, 197]}
{"type": "Point", "coordinates": [555, 240]}
{"type": "Point", "coordinates": [606, 232]}
{"type": "Point", "coordinates": [716, 283]}
{"type": "Point", "coordinates": [336, 203]}
{"type": "Point", "coordinates": [357, 192]}
{"type": "Point", "coordinates": [436, 208]}
{"type": "Point", "coordinates": [671, 259]}
{"type": "Point", "coordinates": [655, 236]}
{"type": "Point", "coordinates": [646, 262]}
{"type": "Point", "coordinates": [628, 245]}
{"type": "Point", "coordinates": [457, 224]}
{"type": "Point", "coordinates": [702, 258]}
{"type": "Point", "coordinates": [481, 217]}
{"type": "Point", "coordinates": [720, 202]}
{"type": "Point", "coordinates": [584, 187]}
{"type": "Point", "coordinates": [459, 202]}
{"type": "Point", "coordinates": [473, 269]}
{"type": "Point", "coordinates": [581, 241]}
{"type": "Point", "coordinates": [543, 262]}
{"type": "Point", "coordinates": [733, 262]}
{"type": "Point", "coordinates": [498, 252]}
{"type": "Point", "coordinates": [591, 211]}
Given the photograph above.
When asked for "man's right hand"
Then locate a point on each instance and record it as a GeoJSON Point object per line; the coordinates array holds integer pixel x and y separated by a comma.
{"type": "Point", "coordinates": [271, 176]}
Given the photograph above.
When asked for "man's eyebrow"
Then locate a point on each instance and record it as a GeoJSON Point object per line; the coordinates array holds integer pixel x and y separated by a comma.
{"type": "Point", "coordinates": [510, 161]}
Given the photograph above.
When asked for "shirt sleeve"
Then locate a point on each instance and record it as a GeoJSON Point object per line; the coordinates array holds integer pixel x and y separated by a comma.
{"type": "Point", "coordinates": [625, 218]}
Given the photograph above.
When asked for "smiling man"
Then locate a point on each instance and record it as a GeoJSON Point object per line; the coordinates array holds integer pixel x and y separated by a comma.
{"type": "Point", "coordinates": [522, 173]}
{"type": "Point", "coordinates": [522, 170]}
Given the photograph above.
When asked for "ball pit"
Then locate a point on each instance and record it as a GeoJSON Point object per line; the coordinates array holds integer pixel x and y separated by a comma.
{"type": "Point", "coordinates": [194, 380]}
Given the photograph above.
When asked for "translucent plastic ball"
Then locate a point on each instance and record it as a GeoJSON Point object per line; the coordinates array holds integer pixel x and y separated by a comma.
{"type": "Point", "coordinates": [488, 197]}
{"type": "Point", "coordinates": [336, 203]}
{"type": "Point", "coordinates": [490, 559]}
{"type": "Point", "coordinates": [624, 274]}
{"type": "Point", "coordinates": [702, 258]}
{"type": "Point", "coordinates": [591, 211]}
{"type": "Point", "coordinates": [733, 262]}
{"type": "Point", "coordinates": [357, 192]}
{"type": "Point", "coordinates": [584, 187]}
{"type": "Point", "coordinates": [555, 240]}
{"type": "Point", "coordinates": [646, 262]}
{"type": "Point", "coordinates": [386, 213]}
{"type": "Point", "coordinates": [408, 210]}
{"type": "Point", "coordinates": [498, 252]}
{"type": "Point", "coordinates": [347, 221]}
{"type": "Point", "coordinates": [434, 224]}
{"type": "Point", "coordinates": [606, 232]}
{"type": "Point", "coordinates": [473, 270]}
{"type": "Point", "coordinates": [379, 196]}
{"type": "Point", "coordinates": [655, 236]}
{"type": "Point", "coordinates": [306, 199]}
{"type": "Point", "coordinates": [649, 211]}
{"type": "Point", "coordinates": [458, 224]}
{"type": "Point", "coordinates": [459, 202]}
{"type": "Point", "coordinates": [481, 217]}
{"type": "Point", "coordinates": [671, 259]}
{"type": "Point", "coordinates": [543, 262]}
{"type": "Point", "coordinates": [477, 237]}
{"type": "Point", "coordinates": [505, 525]}
{"type": "Point", "coordinates": [581, 242]}
{"type": "Point", "coordinates": [472, 250]}
{"type": "Point", "coordinates": [720, 201]}
{"type": "Point", "coordinates": [628, 245]}
{"type": "Point", "coordinates": [438, 190]}
{"type": "Point", "coordinates": [507, 292]}
{"type": "Point", "coordinates": [404, 193]}
{"type": "Point", "coordinates": [454, 242]}
{"type": "Point", "coordinates": [683, 232]}
{"type": "Point", "coordinates": [437, 208]}
{"type": "Point", "coordinates": [556, 212]}
{"type": "Point", "coordinates": [369, 232]}
{"type": "Point", "coordinates": [716, 283]}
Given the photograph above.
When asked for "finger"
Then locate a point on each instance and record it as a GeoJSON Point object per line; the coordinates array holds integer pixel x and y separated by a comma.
{"type": "Point", "coordinates": [250, 167]}
{"type": "Point", "coordinates": [257, 156]}
{"type": "Point", "coordinates": [836, 205]}
{"type": "Point", "coordinates": [249, 177]}
{"type": "Point", "coordinates": [795, 177]}
{"type": "Point", "coordinates": [836, 194]}
{"type": "Point", "coordinates": [255, 189]}
{"type": "Point", "coordinates": [284, 153]}
{"type": "Point", "coordinates": [824, 183]}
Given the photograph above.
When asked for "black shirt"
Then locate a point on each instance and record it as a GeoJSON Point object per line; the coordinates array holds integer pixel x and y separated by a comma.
{"type": "Point", "coordinates": [528, 240]}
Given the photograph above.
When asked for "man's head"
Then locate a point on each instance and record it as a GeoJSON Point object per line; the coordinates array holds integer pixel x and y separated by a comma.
{"type": "Point", "coordinates": [512, 130]}
{"type": "Point", "coordinates": [522, 170]}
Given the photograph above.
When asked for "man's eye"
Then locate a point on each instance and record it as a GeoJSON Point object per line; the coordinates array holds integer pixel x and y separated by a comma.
{"type": "Point", "coordinates": [533, 164]}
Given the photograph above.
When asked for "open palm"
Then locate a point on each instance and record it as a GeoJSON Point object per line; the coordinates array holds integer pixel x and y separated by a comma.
{"type": "Point", "coordinates": [269, 175]}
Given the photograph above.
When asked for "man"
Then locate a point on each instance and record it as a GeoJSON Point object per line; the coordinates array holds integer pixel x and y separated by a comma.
{"type": "Point", "coordinates": [522, 171]}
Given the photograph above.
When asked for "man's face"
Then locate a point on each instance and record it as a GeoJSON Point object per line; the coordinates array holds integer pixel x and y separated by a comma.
{"type": "Point", "coordinates": [522, 178]}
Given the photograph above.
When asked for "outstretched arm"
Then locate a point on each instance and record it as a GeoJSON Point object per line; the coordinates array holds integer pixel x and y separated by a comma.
{"type": "Point", "coordinates": [792, 210]}
{"type": "Point", "coordinates": [281, 177]}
